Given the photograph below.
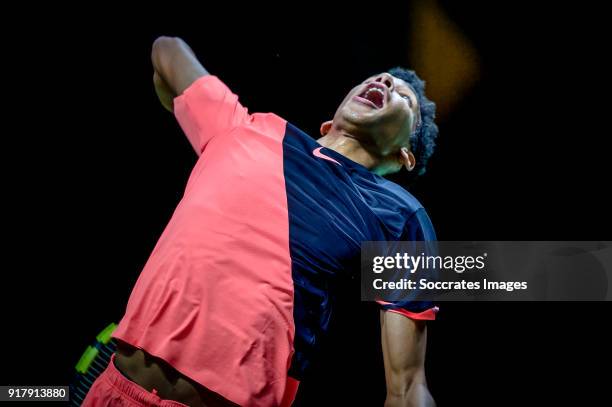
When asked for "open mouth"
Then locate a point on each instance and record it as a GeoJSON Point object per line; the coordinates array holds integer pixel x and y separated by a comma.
{"type": "Point", "coordinates": [374, 96]}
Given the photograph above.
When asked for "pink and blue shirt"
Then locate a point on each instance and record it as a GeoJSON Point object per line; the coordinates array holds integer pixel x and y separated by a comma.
{"type": "Point", "coordinates": [239, 290]}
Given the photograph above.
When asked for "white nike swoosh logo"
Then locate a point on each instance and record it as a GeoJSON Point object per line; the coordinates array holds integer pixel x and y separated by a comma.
{"type": "Point", "coordinates": [317, 153]}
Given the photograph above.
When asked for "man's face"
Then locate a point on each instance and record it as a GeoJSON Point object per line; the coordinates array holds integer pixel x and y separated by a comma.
{"type": "Point", "coordinates": [381, 113]}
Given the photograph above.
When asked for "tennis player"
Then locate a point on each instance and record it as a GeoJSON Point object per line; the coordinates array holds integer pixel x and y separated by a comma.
{"type": "Point", "coordinates": [238, 293]}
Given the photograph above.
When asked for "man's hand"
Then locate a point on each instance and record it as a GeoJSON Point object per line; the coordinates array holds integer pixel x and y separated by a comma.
{"type": "Point", "coordinates": [404, 342]}
{"type": "Point", "coordinates": [176, 68]}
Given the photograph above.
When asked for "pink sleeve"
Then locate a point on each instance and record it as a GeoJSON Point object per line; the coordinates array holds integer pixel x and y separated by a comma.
{"type": "Point", "coordinates": [207, 109]}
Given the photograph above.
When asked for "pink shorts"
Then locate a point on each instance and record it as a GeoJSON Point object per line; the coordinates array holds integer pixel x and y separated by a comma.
{"type": "Point", "coordinates": [112, 389]}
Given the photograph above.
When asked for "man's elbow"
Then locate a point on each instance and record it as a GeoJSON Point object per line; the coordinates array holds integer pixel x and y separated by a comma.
{"type": "Point", "coordinates": [409, 388]}
{"type": "Point", "coordinates": [165, 42]}
{"type": "Point", "coordinates": [162, 50]}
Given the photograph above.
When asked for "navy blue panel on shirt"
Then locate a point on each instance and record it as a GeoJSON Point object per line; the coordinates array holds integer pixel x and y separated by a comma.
{"type": "Point", "coordinates": [335, 204]}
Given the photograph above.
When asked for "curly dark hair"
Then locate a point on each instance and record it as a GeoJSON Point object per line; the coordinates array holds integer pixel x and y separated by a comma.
{"type": "Point", "coordinates": [423, 138]}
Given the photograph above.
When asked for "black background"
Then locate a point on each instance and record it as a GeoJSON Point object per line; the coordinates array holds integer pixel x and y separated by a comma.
{"type": "Point", "coordinates": [93, 167]}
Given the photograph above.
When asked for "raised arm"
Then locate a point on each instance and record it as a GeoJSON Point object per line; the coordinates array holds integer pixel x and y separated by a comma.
{"type": "Point", "coordinates": [176, 67]}
{"type": "Point", "coordinates": [404, 341]}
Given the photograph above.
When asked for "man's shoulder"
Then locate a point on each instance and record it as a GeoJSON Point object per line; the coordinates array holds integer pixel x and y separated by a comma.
{"type": "Point", "coordinates": [297, 131]}
{"type": "Point", "coordinates": [403, 196]}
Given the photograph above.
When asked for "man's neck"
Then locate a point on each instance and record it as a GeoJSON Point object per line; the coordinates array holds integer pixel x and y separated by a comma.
{"type": "Point", "coordinates": [347, 145]}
